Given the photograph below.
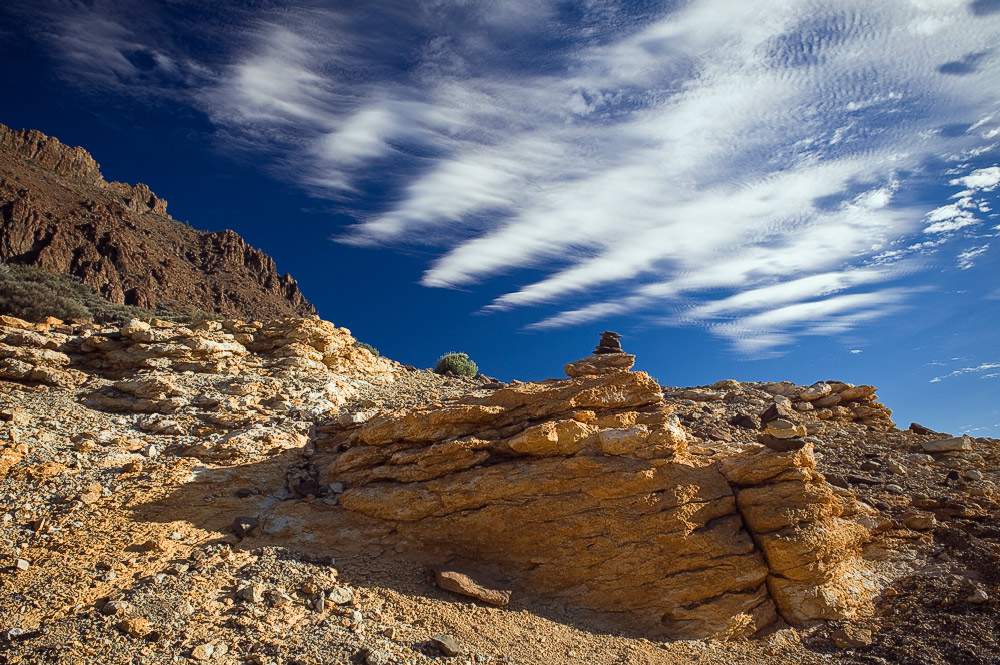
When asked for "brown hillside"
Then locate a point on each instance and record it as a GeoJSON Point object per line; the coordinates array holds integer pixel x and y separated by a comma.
{"type": "Point", "coordinates": [58, 213]}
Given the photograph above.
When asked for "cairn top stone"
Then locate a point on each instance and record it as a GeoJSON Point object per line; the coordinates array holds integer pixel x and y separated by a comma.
{"type": "Point", "coordinates": [609, 343]}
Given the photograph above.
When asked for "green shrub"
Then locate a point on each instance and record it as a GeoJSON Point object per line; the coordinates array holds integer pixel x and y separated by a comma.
{"type": "Point", "coordinates": [457, 363]}
{"type": "Point", "coordinates": [33, 294]}
{"type": "Point", "coordinates": [365, 345]}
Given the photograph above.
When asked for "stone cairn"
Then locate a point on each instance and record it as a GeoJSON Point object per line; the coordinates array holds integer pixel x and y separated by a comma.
{"type": "Point", "coordinates": [609, 343]}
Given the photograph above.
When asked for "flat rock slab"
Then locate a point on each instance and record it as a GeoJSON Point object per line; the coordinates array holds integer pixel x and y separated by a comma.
{"type": "Point", "coordinates": [953, 444]}
{"type": "Point", "coordinates": [472, 585]}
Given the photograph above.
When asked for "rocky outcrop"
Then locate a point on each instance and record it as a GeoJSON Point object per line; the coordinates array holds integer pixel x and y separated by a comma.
{"type": "Point", "coordinates": [814, 561]}
{"type": "Point", "coordinates": [836, 401]}
{"type": "Point", "coordinates": [58, 213]}
{"type": "Point", "coordinates": [27, 355]}
{"type": "Point", "coordinates": [140, 352]}
{"type": "Point", "coordinates": [583, 490]}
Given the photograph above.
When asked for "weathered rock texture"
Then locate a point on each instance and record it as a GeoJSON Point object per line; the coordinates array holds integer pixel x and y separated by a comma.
{"type": "Point", "coordinates": [144, 361]}
{"type": "Point", "coordinates": [58, 213]}
{"type": "Point", "coordinates": [813, 555]}
{"type": "Point", "coordinates": [582, 489]}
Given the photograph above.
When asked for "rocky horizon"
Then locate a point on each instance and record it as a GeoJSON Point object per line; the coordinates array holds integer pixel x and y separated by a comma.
{"type": "Point", "coordinates": [271, 492]}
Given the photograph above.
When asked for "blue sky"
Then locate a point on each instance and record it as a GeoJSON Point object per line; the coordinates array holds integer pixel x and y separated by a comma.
{"type": "Point", "coordinates": [764, 190]}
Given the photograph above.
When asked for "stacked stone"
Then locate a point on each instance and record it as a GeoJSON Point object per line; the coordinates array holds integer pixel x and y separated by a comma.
{"type": "Point", "coordinates": [782, 430]}
{"type": "Point", "coordinates": [609, 343]}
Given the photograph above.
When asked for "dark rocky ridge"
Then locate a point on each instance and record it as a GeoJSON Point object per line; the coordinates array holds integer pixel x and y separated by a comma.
{"type": "Point", "coordinates": [58, 213]}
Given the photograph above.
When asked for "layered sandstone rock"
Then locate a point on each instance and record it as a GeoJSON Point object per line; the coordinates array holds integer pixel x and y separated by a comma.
{"type": "Point", "coordinates": [58, 213]}
{"type": "Point", "coordinates": [582, 490]}
{"type": "Point", "coordinates": [296, 344]}
{"type": "Point", "coordinates": [138, 352]}
{"type": "Point", "coordinates": [813, 555]}
{"type": "Point", "coordinates": [28, 355]}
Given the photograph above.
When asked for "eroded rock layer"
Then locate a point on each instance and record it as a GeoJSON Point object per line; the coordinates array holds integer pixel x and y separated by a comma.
{"type": "Point", "coordinates": [582, 490]}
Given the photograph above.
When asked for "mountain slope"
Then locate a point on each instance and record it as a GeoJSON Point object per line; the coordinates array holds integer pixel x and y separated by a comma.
{"type": "Point", "coordinates": [58, 213]}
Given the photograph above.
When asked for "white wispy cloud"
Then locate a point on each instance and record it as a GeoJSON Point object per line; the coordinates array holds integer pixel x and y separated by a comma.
{"type": "Point", "coordinates": [967, 259]}
{"type": "Point", "coordinates": [966, 210]}
{"type": "Point", "coordinates": [984, 367]}
{"type": "Point", "coordinates": [753, 168]}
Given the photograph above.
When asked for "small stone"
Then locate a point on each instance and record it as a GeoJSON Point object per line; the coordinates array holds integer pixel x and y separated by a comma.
{"type": "Point", "coordinates": [136, 627]}
{"type": "Point", "coordinates": [781, 445]}
{"type": "Point", "coordinates": [154, 545]}
{"type": "Point", "coordinates": [974, 475]}
{"type": "Point", "coordinates": [474, 586]}
{"type": "Point", "coordinates": [356, 617]}
{"type": "Point", "coordinates": [727, 384]}
{"type": "Point", "coordinates": [955, 443]}
{"type": "Point", "coordinates": [203, 652]}
{"type": "Point", "coordinates": [340, 595]}
{"type": "Point", "coordinates": [21, 564]}
{"type": "Point", "coordinates": [815, 391]}
{"type": "Point", "coordinates": [278, 598]}
{"type": "Point", "coordinates": [113, 607]}
{"type": "Point", "coordinates": [837, 480]}
{"type": "Point", "coordinates": [310, 587]}
{"type": "Point", "coordinates": [84, 445]}
{"type": "Point", "coordinates": [922, 522]}
{"type": "Point", "coordinates": [828, 401]}
{"type": "Point", "coordinates": [857, 392]}
{"type": "Point", "coordinates": [11, 634]}
{"type": "Point", "coordinates": [252, 593]}
{"type": "Point", "coordinates": [869, 465]}
{"type": "Point", "coordinates": [92, 494]}
{"type": "Point", "coordinates": [978, 595]}
{"type": "Point", "coordinates": [244, 526]}
{"type": "Point", "coordinates": [920, 429]}
{"type": "Point", "coordinates": [776, 411]}
{"type": "Point", "coordinates": [895, 467]}
{"type": "Point", "coordinates": [447, 645]}
{"type": "Point", "coordinates": [716, 434]}
{"type": "Point", "coordinates": [783, 428]}
{"type": "Point", "coordinates": [150, 451]}
{"type": "Point", "coordinates": [850, 637]}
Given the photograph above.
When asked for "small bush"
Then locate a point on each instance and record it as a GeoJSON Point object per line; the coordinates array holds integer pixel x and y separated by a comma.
{"type": "Point", "coordinates": [457, 363]}
{"type": "Point", "coordinates": [365, 345]}
{"type": "Point", "coordinates": [33, 294]}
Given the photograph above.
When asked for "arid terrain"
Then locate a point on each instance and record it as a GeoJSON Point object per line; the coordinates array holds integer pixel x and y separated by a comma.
{"type": "Point", "coordinates": [272, 491]}
{"type": "Point", "coordinates": [236, 492]}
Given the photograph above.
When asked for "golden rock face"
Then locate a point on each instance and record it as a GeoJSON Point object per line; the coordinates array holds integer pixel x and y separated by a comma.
{"type": "Point", "coordinates": [582, 490]}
